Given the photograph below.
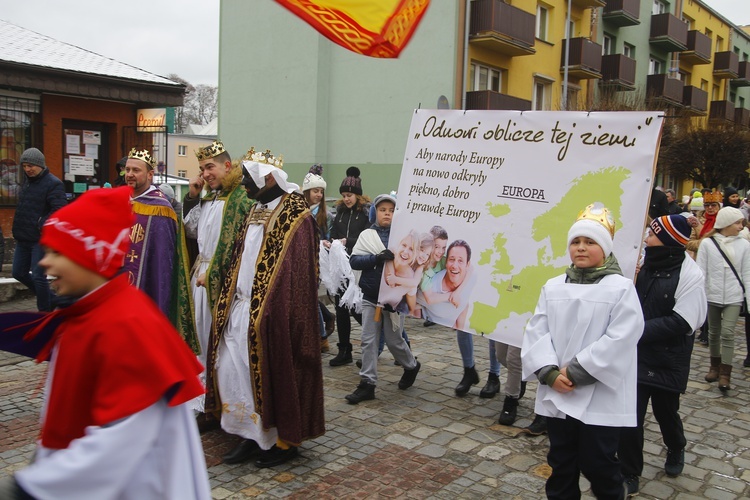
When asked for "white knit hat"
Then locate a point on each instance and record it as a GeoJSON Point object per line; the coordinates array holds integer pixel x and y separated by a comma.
{"type": "Point", "coordinates": [727, 216]}
{"type": "Point", "coordinates": [313, 181]}
{"type": "Point", "coordinates": [594, 222]}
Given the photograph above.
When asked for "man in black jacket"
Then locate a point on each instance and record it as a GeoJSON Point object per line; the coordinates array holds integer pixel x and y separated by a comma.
{"type": "Point", "coordinates": [41, 194]}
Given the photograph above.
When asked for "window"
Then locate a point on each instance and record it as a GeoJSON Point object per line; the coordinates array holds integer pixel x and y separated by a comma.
{"type": "Point", "coordinates": [570, 29]}
{"type": "Point", "coordinates": [542, 21]}
{"type": "Point", "coordinates": [20, 129]}
{"type": "Point", "coordinates": [715, 93]}
{"type": "Point", "coordinates": [541, 97]}
{"type": "Point", "coordinates": [689, 21]}
{"type": "Point", "coordinates": [608, 45]}
{"type": "Point", "coordinates": [182, 173]}
{"type": "Point", "coordinates": [741, 102]}
{"type": "Point", "coordinates": [704, 85]}
{"type": "Point", "coordinates": [485, 78]}
{"type": "Point", "coordinates": [659, 7]}
{"type": "Point", "coordinates": [181, 150]}
{"type": "Point", "coordinates": [628, 50]}
{"type": "Point", "coordinates": [655, 66]}
{"type": "Point", "coordinates": [684, 77]}
{"type": "Point", "coordinates": [719, 44]}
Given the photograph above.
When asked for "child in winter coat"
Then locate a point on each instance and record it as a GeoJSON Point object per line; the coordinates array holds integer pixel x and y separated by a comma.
{"type": "Point", "coordinates": [724, 258]}
{"type": "Point", "coordinates": [581, 345]}
{"type": "Point", "coordinates": [670, 289]}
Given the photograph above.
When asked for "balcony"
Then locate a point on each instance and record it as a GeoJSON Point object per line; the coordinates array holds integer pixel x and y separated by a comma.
{"type": "Point", "coordinates": [622, 13]}
{"type": "Point", "coordinates": [502, 28]}
{"type": "Point", "coordinates": [668, 33]}
{"type": "Point", "coordinates": [585, 4]}
{"type": "Point", "coordinates": [618, 72]}
{"type": "Point", "coordinates": [489, 99]}
{"type": "Point", "coordinates": [722, 111]}
{"type": "Point", "coordinates": [584, 59]}
{"type": "Point", "coordinates": [743, 76]}
{"type": "Point", "coordinates": [698, 48]}
{"type": "Point", "coordinates": [665, 90]}
{"type": "Point", "coordinates": [695, 100]}
{"type": "Point", "coordinates": [726, 65]}
{"type": "Point", "coordinates": [742, 117]}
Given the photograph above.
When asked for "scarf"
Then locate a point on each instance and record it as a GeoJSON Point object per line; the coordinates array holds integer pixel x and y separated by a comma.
{"type": "Point", "coordinates": [708, 224]}
{"type": "Point", "coordinates": [663, 258]}
{"type": "Point", "coordinates": [591, 275]}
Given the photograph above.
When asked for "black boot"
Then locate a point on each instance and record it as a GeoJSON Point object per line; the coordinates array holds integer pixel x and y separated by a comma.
{"type": "Point", "coordinates": [471, 377]}
{"type": "Point", "coordinates": [363, 392]}
{"type": "Point", "coordinates": [510, 410]}
{"type": "Point", "coordinates": [344, 357]}
{"type": "Point", "coordinates": [491, 388]}
{"type": "Point", "coordinates": [746, 363]}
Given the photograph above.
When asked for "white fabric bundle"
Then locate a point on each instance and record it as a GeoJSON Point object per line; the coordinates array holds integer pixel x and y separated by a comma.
{"type": "Point", "coordinates": [337, 274]}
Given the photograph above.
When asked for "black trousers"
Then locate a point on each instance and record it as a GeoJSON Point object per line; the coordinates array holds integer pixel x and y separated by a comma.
{"type": "Point", "coordinates": [344, 322]}
{"type": "Point", "coordinates": [576, 448]}
{"type": "Point", "coordinates": [665, 406]}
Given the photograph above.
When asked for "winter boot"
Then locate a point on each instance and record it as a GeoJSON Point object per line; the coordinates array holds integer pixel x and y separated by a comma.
{"type": "Point", "coordinates": [725, 374]}
{"type": "Point", "coordinates": [471, 377]}
{"type": "Point", "coordinates": [510, 409]}
{"type": "Point", "coordinates": [363, 392]}
{"type": "Point", "coordinates": [491, 388]}
{"type": "Point", "coordinates": [746, 363]}
{"type": "Point", "coordinates": [344, 357]}
{"type": "Point", "coordinates": [713, 372]}
{"type": "Point", "coordinates": [409, 376]}
{"type": "Point", "coordinates": [324, 347]}
{"type": "Point", "coordinates": [537, 427]}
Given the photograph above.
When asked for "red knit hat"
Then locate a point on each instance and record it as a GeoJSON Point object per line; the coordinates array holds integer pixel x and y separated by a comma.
{"type": "Point", "coordinates": [94, 230]}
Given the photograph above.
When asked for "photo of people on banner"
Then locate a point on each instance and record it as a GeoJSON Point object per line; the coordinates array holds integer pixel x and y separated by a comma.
{"type": "Point", "coordinates": [428, 277]}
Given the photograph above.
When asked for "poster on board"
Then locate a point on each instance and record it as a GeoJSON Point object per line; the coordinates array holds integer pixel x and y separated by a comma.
{"type": "Point", "coordinates": [486, 199]}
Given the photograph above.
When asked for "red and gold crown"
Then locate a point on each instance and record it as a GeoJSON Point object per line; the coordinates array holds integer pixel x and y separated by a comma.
{"type": "Point", "coordinates": [265, 157]}
{"type": "Point", "coordinates": [714, 197]}
{"type": "Point", "coordinates": [211, 151]}
{"type": "Point", "coordinates": [142, 155]}
{"type": "Point", "coordinates": [599, 213]}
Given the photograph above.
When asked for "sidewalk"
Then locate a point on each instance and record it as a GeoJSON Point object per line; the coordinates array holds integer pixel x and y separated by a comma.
{"type": "Point", "coordinates": [427, 443]}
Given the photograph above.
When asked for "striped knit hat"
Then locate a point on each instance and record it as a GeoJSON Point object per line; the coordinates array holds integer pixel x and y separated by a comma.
{"type": "Point", "coordinates": [672, 230]}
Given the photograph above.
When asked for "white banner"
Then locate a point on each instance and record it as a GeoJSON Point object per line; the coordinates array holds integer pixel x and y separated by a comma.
{"type": "Point", "coordinates": [486, 199]}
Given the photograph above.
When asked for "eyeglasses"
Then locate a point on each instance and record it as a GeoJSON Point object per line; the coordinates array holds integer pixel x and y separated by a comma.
{"type": "Point", "coordinates": [706, 205]}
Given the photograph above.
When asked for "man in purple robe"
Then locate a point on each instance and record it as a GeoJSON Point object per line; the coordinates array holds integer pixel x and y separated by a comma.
{"type": "Point", "coordinates": [150, 259]}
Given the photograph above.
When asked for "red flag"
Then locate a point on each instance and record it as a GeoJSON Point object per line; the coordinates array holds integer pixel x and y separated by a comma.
{"type": "Point", "coordinates": [376, 28]}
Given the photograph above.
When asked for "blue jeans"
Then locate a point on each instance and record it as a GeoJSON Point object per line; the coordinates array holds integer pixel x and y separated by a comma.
{"type": "Point", "coordinates": [26, 270]}
{"type": "Point", "coordinates": [465, 342]}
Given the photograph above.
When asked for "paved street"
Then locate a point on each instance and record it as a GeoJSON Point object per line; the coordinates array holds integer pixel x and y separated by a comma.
{"type": "Point", "coordinates": [427, 443]}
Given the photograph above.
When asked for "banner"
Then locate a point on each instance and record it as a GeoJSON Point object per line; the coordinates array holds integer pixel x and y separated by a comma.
{"type": "Point", "coordinates": [377, 29]}
{"type": "Point", "coordinates": [486, 199]}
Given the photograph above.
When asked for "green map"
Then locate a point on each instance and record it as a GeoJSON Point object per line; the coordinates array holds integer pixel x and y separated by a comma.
{"type": "Point", "coordinates": [518, 288]}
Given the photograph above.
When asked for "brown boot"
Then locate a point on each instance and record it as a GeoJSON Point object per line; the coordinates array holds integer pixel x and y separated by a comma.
{"type": "Point", "coordinates": [713, 372]}
{"type": "Point", "coordinates": [324, 347]}
{"type": "Point", "coordinates": [725, 374]}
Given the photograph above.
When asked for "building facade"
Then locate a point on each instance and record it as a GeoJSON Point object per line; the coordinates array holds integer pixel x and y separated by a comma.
{"type": "Point", "coordinates": [283, 86]}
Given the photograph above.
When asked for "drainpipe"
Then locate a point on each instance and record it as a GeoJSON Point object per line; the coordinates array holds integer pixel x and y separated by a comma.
{"type": "Point", "coordinates": [464, 87]}
{"type": "Point", "coordinates": [567, 59]}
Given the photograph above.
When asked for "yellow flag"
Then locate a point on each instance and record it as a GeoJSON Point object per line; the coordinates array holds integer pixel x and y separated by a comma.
{"type": "Point", "coordinates": [376, 28]}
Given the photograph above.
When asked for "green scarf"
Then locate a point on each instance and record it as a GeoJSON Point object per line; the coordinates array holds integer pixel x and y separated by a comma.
{"type": "Point", "coordinates": [591, 275]}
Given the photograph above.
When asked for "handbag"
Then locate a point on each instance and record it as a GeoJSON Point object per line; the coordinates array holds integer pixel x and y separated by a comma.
{"type": "Point", "coordinates": [743, 306]}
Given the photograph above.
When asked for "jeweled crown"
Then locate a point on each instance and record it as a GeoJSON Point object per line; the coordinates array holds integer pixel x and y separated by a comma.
{"type": "Point", "coordinates": [211, 151]}
{"type": "Point", "coordinates": [142, 155]}
{"type": "Point", "coordinates": [599, 213]}
{"type": "Point", "coordinates": [714, 197]}
{"type": "Point", "coordinates": [265, 157]}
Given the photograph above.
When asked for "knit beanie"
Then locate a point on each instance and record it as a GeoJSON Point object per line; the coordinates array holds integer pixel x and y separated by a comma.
{"type": "Point", "coordinates": [314, 178]}
{"type": "Point", "coordinates": [352, 183]}
{"type": "Point", "coordinates": [696, 204]}
{"type": "Point", "coordinates": [94, 230]}
{"type": "Point", "coordinates": [167, 190]}
{"type": "Point", "coordinates": [33, 156]}
{"type": "Point", "coordinates": [595, 222]}
{"type": "Point", "coordinates": [727, 216]}
{"type": "Point", "coordinates": [672, 230]}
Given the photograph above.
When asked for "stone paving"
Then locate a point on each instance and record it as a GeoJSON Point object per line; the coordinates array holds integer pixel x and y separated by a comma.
{"type": "Point", "coordinates": [427, 443]}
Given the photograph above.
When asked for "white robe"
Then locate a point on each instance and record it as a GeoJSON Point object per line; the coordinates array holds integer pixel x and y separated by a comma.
{"type": "Point", "coordinates": [155, 453]}
{"type": "Point", "coordinates": [204, 223]}
{"type": "Point", "coordinates": [233, 365]}
{"type": "Point", "coordinates": [600, 325]}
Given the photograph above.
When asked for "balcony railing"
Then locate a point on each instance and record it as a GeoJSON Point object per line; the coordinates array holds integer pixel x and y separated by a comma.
{"type": "Point", "coordinates": [622, 13]}
{"type": "Point", "coordinates": [585, 4]}
{"type": "Point", "coordinates": [668, 33]}
{"type": "Point", "coordinates": [662, 88]}
{"type": "Point", "coordinates": [584, 59]}
{"type": "Point", "coordinates": [698, 48]}
{"type": "Point", "coordinates": [695, 100]}
{"type": "Point", "coordinates": [722, 111]}
{"type": "Point", "coordinates": [742, 117]}
{"type": "Point", "coordinates": [726, 65]}
{"type": "Point", "coordinates": [743, 75]}
{"type": "Point", "coordinates": [488, 99]}
{"type": "Point", "coordinates": [618, 71]}
{"type": "Point", "coordinates": [502, 28]}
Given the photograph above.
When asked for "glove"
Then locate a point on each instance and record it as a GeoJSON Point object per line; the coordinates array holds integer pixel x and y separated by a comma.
{"type": "Point", "coordinates": [383, 256]}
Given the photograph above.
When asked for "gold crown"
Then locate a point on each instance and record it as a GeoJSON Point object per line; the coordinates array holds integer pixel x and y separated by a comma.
{"type": "Point", "coordinates": [265, 157]}
{"type": "Point", "coordinates": [211, 151]}
{"type": "Point", "coordinates": [714, 197]}
{"type": "Point", "coordinates": [599, 213]}
{"type": "Point", "coordinates": [143, 155]}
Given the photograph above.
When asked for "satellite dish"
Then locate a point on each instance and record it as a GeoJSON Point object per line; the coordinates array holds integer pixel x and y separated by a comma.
{"type": "Point", "coordinates": [443, 103]}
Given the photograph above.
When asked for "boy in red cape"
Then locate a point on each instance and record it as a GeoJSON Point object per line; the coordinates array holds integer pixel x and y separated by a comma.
{"type": "Point", "coordinates": [113, 422]}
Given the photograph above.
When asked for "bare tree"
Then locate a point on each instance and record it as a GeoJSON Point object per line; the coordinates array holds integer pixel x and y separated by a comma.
{"type": "Point", "coordinates": [200, 104]}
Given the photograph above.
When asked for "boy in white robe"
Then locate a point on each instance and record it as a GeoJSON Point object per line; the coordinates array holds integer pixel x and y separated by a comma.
{"type": "Point", "coordinates": [581, 345]}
